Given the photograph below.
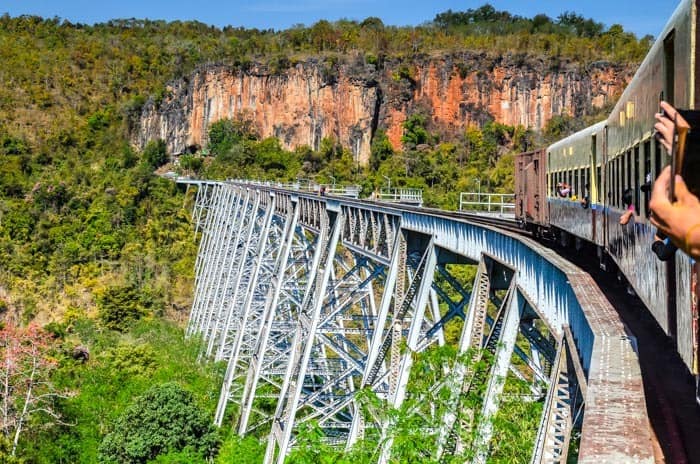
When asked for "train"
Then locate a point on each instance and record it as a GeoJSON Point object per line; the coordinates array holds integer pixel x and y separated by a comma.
{"type": "Point", "coordinates": [579, 187]}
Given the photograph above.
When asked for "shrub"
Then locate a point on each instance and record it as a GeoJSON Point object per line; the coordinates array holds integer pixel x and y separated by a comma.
{"type": "Point", "coordinates": [128, 359]}
{"type": "Point", "coordinates": [119, 306]}
{"type": "Point", "coordinates": [155, 154]}
{"type": "Point", "coordinates": [165, 420]}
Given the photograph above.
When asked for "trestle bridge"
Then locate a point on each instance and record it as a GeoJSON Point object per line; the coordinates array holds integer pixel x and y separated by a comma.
{"type": "Point", "coordinates": [311, 299]}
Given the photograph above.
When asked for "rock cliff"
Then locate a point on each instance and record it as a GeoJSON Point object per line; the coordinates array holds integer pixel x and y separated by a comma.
{"type": "Point", "coordinates": [348, 102]}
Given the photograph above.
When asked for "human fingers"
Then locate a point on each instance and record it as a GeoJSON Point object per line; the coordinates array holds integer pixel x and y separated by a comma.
{"type": "Point", "coordinates": [673, 114]}
{"type": "Point", "coordinates": [664, 135]}
{"type": "Point", "coordinates": [665, 127]}
{"type": "Point", "coordinates": [659, 203]}
{"type": "Point", "coordinates": [668, 109]}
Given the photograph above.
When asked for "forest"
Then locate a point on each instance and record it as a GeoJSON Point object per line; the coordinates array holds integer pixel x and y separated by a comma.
{"type": "Point", "coordinates": [97, 251]}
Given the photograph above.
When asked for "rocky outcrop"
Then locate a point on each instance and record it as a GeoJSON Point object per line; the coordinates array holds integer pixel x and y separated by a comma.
{"type": "Point", "coordinates": [348, 102]}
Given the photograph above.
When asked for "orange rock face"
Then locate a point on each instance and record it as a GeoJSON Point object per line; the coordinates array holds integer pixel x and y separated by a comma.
{"type": "Point", "coordinates": [304, 105]}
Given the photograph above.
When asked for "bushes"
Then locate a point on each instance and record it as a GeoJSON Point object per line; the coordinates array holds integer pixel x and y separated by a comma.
{"type": "Point", "coordinates": [164, 420]}
{"type": "Point", "coordinates": [121, 305]}
{"type": "Point", "coordinates": [155, 153]}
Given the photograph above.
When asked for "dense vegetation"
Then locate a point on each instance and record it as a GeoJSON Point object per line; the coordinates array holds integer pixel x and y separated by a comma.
{"type": "Point", "coordinates": [99, 250]}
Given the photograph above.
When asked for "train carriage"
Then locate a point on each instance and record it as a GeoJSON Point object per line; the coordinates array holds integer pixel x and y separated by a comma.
{"type": "Point", "coordinates": [621, 154]}
{"type": "Point", "coordinates": [530, 188]}
{"type": "Point", "coordinates": [576, 162]}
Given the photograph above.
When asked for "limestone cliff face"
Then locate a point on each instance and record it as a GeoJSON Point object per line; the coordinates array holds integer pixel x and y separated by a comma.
{"type": "Point", "coordinates": [300, 107]}
{"type": "Point", "coordinates": [308, 102]}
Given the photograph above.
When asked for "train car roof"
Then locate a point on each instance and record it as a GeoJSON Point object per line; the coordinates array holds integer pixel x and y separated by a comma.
{"type": "Point", "coordinates": [587, 132]}
{"type": "Point", "coordinates": [680, 10]}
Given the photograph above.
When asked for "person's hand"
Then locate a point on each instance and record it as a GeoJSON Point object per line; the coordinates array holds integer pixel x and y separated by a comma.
{"type": "Point", "coordinates": [664, 124]}
{"type": "Point", "coordinates": [680, 220]}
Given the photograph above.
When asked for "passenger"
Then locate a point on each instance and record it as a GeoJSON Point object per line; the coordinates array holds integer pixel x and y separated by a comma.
{"type": "Point", "coordinates": [586, 200]}
{"type": "Point", "coordinates": [563, 189]}
{"type": "Point", "coordinates": [322, 192]}
{"type": "Point", "coordinates": [680, 219]}
{"type": "Point", "coordinates": [628, 203]}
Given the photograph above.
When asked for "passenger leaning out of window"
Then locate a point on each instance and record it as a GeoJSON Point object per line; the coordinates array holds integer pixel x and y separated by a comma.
{"type": "Point", "coordinates": [563, 189]}
{"type": "Point", "coordinates": [680, 219]}
{"type": "Point", "coordinates": [628, 203]}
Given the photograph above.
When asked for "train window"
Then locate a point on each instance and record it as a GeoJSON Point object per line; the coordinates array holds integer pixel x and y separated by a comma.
{"type": "Point", "coordinates": [612, 198]}
{"type": "Point", "coordinates": [596, 198]}
{"type": "Point", "coordinates": [635, 178]}
{"type": "Point", "coordinates": [570, 179]}
{"type": "Point", "coordinates": [576, 184]}
{"type": "Point", "coordinates": [618, 177]}
{"type": "Point", "coordinates": [628, 170]}
{"type": "Point", "coordinates": [608, 184]}
{"type": "Point", "coordinates": [613, 181]}
{"type": "Point", "coordinates": [657, 159]}
{"type": "Point", "coordinates": [669, 67]}
{"type": "Point", "coordinates": [647, 173]}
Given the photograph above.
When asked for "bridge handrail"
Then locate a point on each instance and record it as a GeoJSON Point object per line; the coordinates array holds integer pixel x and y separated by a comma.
{"type": "Point", "coordinates": [490, 202]}
{"type": "Point", "coordinates": [349, 191]}
{"type": "Point", "coordinates": [401, 195]}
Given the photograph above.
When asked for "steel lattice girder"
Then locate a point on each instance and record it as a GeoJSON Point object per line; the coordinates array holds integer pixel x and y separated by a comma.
{"type": "Point", "coordinates": [378, 235]}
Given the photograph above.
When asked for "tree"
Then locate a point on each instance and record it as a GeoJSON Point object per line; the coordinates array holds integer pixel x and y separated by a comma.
{"type": "Point", "coordinates": [165, 420]}
{"type": "Point", "coordinates": [381, 150]}
{"type": "Point", "coordinates": [25, 380]}
{"type": "Point", "coordinates": [414, 132]}
{"type": "Point", "coordinates": [155, 154]}
{"type": "Point", "coordinates": [120, 305]}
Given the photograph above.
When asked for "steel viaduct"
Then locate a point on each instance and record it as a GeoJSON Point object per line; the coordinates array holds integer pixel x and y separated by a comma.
{"type": "Point", "coordinates": [311, 299]}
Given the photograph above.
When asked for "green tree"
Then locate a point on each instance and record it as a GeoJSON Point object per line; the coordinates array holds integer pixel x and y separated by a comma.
{"type": "Point", "coordinates": [121, 305]}
{"type": "Point", "coordinates": [381, 150]}
{"type": "Point", "coordinates": [414, 131]}
{"type": "Point", "coordinates": [164, 420]}
{"type": "Point", "coordinates": [155, 153]}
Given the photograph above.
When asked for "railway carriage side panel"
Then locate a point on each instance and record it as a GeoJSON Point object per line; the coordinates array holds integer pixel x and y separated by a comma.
{"type": "Point", "coordinates": [633, 155]}
{"type": "Point", "coordinates": [531, 187]}
{"type": "Point", "coordinates": [576, 161]}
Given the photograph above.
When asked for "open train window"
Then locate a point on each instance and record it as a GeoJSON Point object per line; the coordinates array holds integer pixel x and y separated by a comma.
{"type": "Point", "coordinates": [609, 184]}
{"type": "Point", "coordinates": [613, 181]}
{"type": "Point", "coordinates": [628, 170]}
{"type": "Point", "coordinates": [596, 196]}
{"type": "Point", "coordinates": [618, 178]}
{"type": "Point", "coordinates": [647, 173]}
{"type": "Point", "coordinates": [572, 179]}
{"type": "Point", "coordinates": [669, 67]}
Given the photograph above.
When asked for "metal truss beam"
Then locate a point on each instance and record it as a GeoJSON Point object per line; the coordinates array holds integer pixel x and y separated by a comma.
{"type": "Point", "coordinates": [285, 294]}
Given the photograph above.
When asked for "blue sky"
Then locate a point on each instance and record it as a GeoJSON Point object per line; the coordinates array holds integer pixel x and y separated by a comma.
{"type": "Point", "coordinates": [640, 16]}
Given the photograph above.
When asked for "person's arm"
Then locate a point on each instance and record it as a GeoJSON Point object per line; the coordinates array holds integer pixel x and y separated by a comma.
{"type": "Point", "coordinates": [680, 220]}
